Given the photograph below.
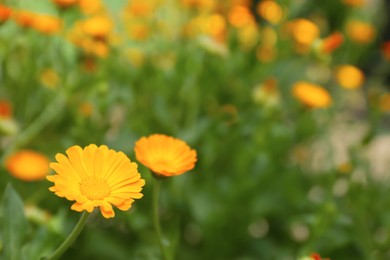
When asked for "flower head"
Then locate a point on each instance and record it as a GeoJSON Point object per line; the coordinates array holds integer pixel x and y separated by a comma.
{"type": "Point", "coordinates": [311, 95]}
{"type": "Point", "coordinates": [28, 165]}
{"type": "Point", "coordinates": [96, 177]}
{"type": "Point", "coordinates": [5, 13]}
{"type": "Point", "coordinates": [165, 155]}
{"type": "Point", "coordinates": [349, 76]}
{"type": "Point", "coordinates": [360, 32]}
{"type": "Point", "coordinates": [46, 24]}
{"type": "Point", "coordinates": [23, 18]}
{"type": "Point", "coordinates": [304, 31]}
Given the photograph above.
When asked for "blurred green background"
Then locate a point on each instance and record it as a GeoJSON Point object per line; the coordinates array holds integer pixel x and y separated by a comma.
{"type": "Point", "coordinates": [275, 178]}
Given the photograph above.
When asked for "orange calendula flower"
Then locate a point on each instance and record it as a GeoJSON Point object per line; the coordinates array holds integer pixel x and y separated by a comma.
{"type": "Point", "coordinates": [47, 24]}
{"type": "Point", "coordinates": [270, 11]}
{"type": "Point", "coordinates": [98, 27]}
{"type": "Point", "coordinates": [28, 165]}
{"type": "Point", "coordinates": [24, 18]}
{"type": "Point", "coordinates": [349, 76]}
{"type": "Point", "coordinates": [360, 32]}
{"type": "Point", "coordinates": [96, 177]}
{"type": "Point", "coordinates": [165, 155]}
{"type": "Point", "coordinates": [240, 16]}
{"type": "Point", "coordinates": [311, 95]}
{"type": "Point", "coordinates": [5, 13]}
{"type": "Point", "coordinates": [304, 31]}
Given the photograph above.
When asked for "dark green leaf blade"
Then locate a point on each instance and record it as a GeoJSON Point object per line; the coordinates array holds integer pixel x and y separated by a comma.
{"type": "Point", "coordinates": [14, 225]}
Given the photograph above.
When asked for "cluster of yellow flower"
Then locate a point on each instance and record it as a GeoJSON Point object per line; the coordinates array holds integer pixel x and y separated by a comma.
{"type": "Point", "coordinates": [96, 176]}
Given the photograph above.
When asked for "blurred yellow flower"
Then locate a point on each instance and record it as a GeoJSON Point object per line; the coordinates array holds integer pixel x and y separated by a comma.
{"type": "Point", "coordinates": [270, 11]}
{"type": "Point", "coordinates": [5, 13]}
{"type": "Point", "coordinates": [202, 5]}
{"type": "Point", "coordinates": [345, 167]}
{"type": "Point", "coordinates": [140, 8]}
{"type": "Point", "coordinates": [96, 177]}
{"type": "Point", "coordinates": [46, 24]}
{"type": "Point", "coordinates": [311, 95]}
{"type": "Point", "coordinates": [349, 76]}
{"type": "Point", "coordinates": [136, 56]}
{"type": "Point", "coordinates": [303, 31]}
{"type": "Point", "coordinates": [384, 102]}
{"type": "Point", "coordinates": [49, 78]}
{"type": "Point", "coordinates": [90, 7]}
{"type": "Point", "coordinates": [248, 36]}
{"type": "Point", "coordinates": [360, 32]}
{"type": "Point", "coordinates": [165, 155]}
{"type": "Point", "coordinates": [28, 165]}
{"type": "Point", "coordinates": [138, 31]}
{"type": "Point", "coordinates": [213, 25]}
{"type": "Point", "coordinates": [98, 27]}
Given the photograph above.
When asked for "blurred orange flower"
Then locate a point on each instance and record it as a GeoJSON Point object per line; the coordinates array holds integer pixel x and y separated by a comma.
{"type": "Point", "coordinates": [5, 13]}
{"type": "Point", "coordinates": [360, 32]}
{"type": "Point", "coordinates": [240, 16]}
{"type": "Point", "coordinates": [65, 3]}
{"type": "Point", "coordinates": [96, 177]}
{"type": "Point", "coordinates": [47, 24]}
{"type": "Point", "coordinates": [28, 165]}
{"type": "Point", "coordinates": [140, 8]}
{"type": "Point", "coordinates": [386, 50]}
{"type": "Point", "coordinates": [270, 11]}
{"type": "Point", "coordinates": [332, 42]}
{"type": "Point", "coordinates": [24, 18]}
{"type": "Point", "coordinates": [5, 109]}
{"type": "Point", "coordinates": [89, 7]}
{"type": "Point", "coordinates": [311, 95]}
{"type": "Point", "coordinates": [354, 3]}
{"type": "Point", "coordinates": [349, 76]}
{"type": "Point", "coordinates": [165, 155]}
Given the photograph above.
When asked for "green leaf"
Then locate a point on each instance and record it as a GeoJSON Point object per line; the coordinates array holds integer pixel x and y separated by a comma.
{"type": "Point", "coordinates": [13, 224]}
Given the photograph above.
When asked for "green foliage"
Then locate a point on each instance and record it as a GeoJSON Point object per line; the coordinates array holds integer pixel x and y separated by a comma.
{"type": "Point", "coordinates": [269, 182]}
{"type": "Point", "coordinates": [14, 226]}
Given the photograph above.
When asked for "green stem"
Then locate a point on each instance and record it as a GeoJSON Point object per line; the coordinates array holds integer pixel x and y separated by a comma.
{"type": "Point", "coordinates": [156, 219]}
{"type": "Point", "coordinates": [53, 108]}
{"type": "Point", "coordinates": [71, 238]}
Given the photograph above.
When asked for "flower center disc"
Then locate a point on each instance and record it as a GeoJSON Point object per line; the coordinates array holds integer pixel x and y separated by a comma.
{"type": "Point", "coordinates": [94, 189]}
